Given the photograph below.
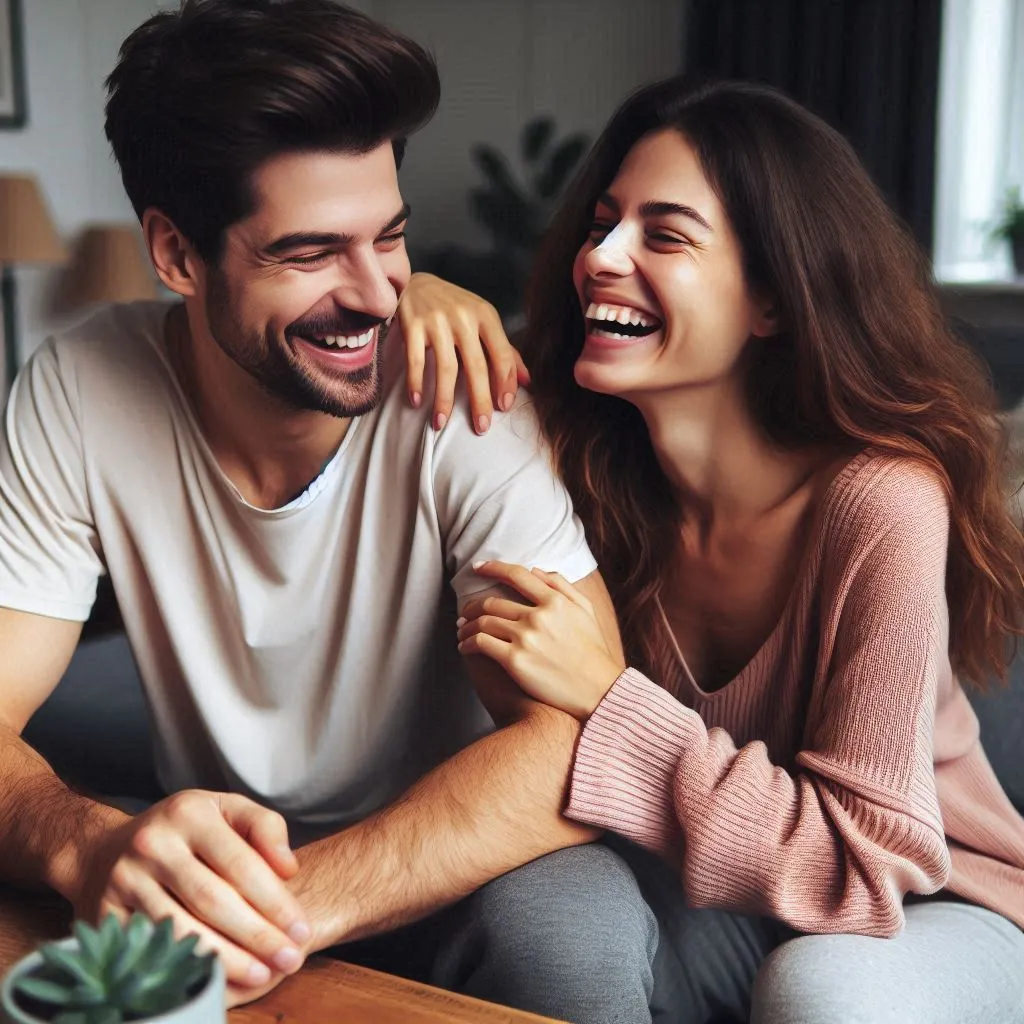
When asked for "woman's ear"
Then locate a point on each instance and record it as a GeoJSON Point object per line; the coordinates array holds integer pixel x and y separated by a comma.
{"type": "Point", "coordinates": [766, 319]}
{"type": "Point", "coordinates": [172, 256]}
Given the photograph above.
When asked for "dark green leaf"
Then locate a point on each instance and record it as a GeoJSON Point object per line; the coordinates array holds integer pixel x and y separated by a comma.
{"type": "Point", "coordinates": [111, 935]}
{"type": "Point", "coordinates": [153, 1002]}
{"type": "Point", "coordinates": [495, 169]}
{"type": "Point", "coordinates": [509, 222]}
{"type": "Point", "coordinates": [70, 961]}
{"type": "Point", "coordinates": [45, 991]}
{"type": "Point", "coordinates": [136, 945]}
{"type": "Point", "coordinates": [90, 943]}
{"type": "Point", "coordinates": [551, 180]}
{"type": "Point", "coordinates": [536, 135]}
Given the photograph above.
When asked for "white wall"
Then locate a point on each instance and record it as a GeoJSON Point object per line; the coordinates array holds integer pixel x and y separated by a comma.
{"type": "Point", "coordinates": [70, 46]}
{"type": "Point", "coordinates": [504, 61]}
{"type": "Point", "coordinates": [501, 62]}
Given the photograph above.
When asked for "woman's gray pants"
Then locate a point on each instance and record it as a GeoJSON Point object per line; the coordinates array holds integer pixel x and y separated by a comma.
{"type": "Point", "coordinates": [600, 934]}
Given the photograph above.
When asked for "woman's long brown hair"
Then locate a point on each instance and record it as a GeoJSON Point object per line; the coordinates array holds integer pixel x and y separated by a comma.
{"type": "Point", "coordinates": [866, 359]}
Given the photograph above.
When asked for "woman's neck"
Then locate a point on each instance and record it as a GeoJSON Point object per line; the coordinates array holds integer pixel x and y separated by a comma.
{"type": "Point", "coordinates": [725, 469]}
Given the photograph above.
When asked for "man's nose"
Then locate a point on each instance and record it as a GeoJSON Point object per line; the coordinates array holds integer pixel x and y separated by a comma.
{"type": "Point", "coordinates": [367, 286]}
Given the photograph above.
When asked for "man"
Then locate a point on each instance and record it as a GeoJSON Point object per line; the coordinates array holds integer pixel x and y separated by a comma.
{"type": "Point", "coordinates": [280, 526]}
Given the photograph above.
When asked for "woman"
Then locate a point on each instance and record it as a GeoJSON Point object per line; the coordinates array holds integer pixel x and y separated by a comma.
{"type": "Point", "coordinates": [789, 472]}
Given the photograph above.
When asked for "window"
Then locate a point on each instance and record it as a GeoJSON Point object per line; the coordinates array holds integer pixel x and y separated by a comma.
{"type": "Point", "coordinates": [980, 150]}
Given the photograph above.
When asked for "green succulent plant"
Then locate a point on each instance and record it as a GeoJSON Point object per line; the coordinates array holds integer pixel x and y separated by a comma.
{"type": "Point", "coordinates": [116, 973]}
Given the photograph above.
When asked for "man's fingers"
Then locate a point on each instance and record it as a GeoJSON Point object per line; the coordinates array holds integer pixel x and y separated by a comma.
{"type": "Point", "coordinates": [152, 899]}
{"type": "Point", "coordinates": [264, 830]}
{"type": "Point", "coordinates": [216, 904]}
{"type": "Point", "coordinates": [532, 587]}
{"type": "Point", "coordinates": [247, 873]}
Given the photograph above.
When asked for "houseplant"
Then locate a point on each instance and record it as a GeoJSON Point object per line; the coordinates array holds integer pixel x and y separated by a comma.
{"type": "Point", "coordinates": [113, 974]}
{"type": "Point", "coordinates": [513, 205]}
{"type": "Point", "coordinates": [1011, 228]}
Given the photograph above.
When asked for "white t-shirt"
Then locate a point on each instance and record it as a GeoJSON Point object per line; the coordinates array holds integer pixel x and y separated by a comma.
{"type": "Point", "coordinates": [305, 655]}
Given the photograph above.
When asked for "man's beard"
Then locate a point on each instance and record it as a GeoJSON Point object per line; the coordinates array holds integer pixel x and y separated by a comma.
{"type": "Point", "coordinates": [267, 362]}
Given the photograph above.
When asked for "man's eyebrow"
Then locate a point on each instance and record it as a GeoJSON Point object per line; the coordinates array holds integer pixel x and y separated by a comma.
{"type": "Point", "coordinates": [327, 239]}
{"type": "Point", "coordinates": [657, 208]}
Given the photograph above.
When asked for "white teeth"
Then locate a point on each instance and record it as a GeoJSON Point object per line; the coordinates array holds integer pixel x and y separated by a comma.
{"type": "Point", "coordinates": [619, 314]}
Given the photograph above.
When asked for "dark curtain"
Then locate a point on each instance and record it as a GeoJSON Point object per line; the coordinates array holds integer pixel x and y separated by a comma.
{"type": "Point", "coordinates": [868, 67]}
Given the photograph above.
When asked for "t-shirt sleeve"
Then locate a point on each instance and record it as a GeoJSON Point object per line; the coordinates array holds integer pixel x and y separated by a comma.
{"type": "Point", "coordinates": [498, 497]}
{"type": "Point", "coordinates": [49, 552]}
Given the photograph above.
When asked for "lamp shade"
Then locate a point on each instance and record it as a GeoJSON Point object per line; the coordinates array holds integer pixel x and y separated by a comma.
{"type": "Point", "coordinates": [108, 265]}
{"type": "Point", "coordinates": [27, 234]}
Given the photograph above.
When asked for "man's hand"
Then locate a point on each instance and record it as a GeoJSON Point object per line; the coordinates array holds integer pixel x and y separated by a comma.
{"type": "Point", "coordinates": [459, 327]}
{"type": "Point", "coordinates": [217, 864]}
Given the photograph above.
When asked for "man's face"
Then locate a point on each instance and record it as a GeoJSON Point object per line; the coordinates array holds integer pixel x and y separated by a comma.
{"type": "Point", "coordinates": [307, 283]}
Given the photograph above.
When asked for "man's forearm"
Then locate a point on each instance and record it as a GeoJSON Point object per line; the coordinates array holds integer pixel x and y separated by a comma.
{"type": "Point", "coordinates": [44, 826]}
{"type": "Point", "coordinates": [494, 806]}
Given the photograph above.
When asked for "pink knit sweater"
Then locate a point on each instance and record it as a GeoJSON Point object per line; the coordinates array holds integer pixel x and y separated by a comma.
{"type": "Point", "coordinates": [841, 769]}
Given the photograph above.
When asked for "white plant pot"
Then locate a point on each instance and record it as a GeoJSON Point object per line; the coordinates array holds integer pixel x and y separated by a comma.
{"type": "Point", "coordinates": [206, 1007]}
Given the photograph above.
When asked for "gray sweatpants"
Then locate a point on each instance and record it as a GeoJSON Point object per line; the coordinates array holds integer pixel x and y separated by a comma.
{"type": "Point", "coordinates": [601, 934]}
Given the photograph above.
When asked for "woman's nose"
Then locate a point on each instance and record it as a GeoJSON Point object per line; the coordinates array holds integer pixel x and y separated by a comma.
{"type": "Point", "coordinates": [612, 254]}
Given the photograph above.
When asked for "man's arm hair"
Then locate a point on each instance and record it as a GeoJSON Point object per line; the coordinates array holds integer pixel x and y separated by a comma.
{"type": "Point", "coordinates": [493, 807]}
{"type": "Point", "coordinates": [43, 824]}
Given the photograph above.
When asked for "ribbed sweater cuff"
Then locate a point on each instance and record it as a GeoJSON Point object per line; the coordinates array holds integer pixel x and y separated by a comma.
{"type": "Point", "coordinates": [624, 774]}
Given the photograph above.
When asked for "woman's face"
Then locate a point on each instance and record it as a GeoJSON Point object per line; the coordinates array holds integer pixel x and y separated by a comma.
{"type": "Point", "coordinates": [660, 279]}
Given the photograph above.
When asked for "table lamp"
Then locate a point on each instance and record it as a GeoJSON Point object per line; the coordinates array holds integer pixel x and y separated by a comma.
{"type": "Point", "coordinates": [109, 264]}
{"type": "Point", "coordinates": [27, 235]}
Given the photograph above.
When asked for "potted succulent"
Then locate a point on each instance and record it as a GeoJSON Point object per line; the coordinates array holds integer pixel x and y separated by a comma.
{"type": "Point", "coordinates": [1011, 228]}
{"type": "Point", "coordinates": [113, 974]}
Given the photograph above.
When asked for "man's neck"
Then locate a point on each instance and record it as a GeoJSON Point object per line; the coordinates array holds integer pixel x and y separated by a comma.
{"type": "Point", "coordinates": [269, 450]}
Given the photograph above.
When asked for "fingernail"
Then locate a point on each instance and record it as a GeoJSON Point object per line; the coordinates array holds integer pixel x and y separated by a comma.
{"type": "Point", "coordinates": [476, 565]}
{"type": "Point", "coordinates": [287, 960]}
{"type": "Point", "coordinates": [482, 423]}
{"type": "Point", "coordinates": [285, 851]}
{"type": "Point", "coordinates": [258, 974]}
{"type": "Point", "coordinates": [506, 401]}
{"type": "Point", "coordinates": [299, 933]}
{"type": "Point", "coordinates": [440, 421]}
{"type": "Point", "coordinates": [415, 398]}
{"type": "Point", "coordinates": [460, 622]}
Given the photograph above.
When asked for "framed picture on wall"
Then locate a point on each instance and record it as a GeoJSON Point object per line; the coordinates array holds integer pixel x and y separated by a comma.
{"type": "Point", "coordinates": [12, 66]}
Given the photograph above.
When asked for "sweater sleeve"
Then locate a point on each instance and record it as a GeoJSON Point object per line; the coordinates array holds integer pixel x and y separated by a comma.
{"type": "Point", "coordinates": [836, 843]}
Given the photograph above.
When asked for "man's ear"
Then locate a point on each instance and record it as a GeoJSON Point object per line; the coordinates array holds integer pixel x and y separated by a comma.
{"type": "Point", "coordinates": [174, 260]}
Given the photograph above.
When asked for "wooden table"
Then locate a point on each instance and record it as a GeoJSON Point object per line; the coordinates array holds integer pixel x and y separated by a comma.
{"type": "Point", "coordinates": [325, 991]}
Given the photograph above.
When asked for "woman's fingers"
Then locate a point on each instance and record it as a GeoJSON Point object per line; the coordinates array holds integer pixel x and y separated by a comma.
{"type": "Point", "coordinates": [558, 582]}
{"type": "Point", "coordinates": [499, 651]}
{"type": "Point", "coordinates": [477, 373]}
{"type": "Point", "coordinates": [504, 607]}
{"type": "Point", "coordinates": [500, 629]}
{"type": "Point", "coordinates": [443, 344]}
{"type": "Point", "coordinates": [521, 579]}
{"type": "Point", "coordinates": [415, 337]}
{"type": "Point", "coordinates": [507, 366]}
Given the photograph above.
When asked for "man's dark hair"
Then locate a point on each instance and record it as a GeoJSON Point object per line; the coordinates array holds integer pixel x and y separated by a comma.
{"type": "Point", "coordinates": [203, 96]}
